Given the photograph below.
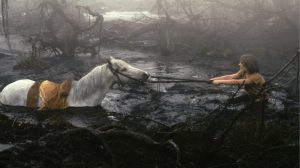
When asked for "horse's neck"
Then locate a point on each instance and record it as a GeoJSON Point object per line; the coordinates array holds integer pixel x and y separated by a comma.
{"type": "Point", "coordinates": [91, 89]}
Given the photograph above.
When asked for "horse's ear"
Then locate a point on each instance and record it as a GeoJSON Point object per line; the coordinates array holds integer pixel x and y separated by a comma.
{"type": "Point", "coordinates": [111, 58]}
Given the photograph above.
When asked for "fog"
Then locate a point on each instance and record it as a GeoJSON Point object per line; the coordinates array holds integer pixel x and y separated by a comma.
{"type": "Point", "coordinates": [264, 27]}
{"type": "Point", "coordinates": [166, 112]}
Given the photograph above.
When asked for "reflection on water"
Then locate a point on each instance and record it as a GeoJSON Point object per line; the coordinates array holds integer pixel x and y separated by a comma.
{"type": "Point", "coordinates": [127, 15]}
{"type": "Point", "coordinates": [123, 15]}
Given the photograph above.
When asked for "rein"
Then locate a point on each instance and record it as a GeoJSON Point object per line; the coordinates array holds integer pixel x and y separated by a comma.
{"type": "Point", "coordinates": [160, 79]}
{"type": "Point", "coordinates": [164, 79]}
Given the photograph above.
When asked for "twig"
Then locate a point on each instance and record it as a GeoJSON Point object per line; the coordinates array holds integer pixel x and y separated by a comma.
{"type": "Point", "coordinates": [298, 69]}
{"type": "Point", "coordinates": [171, 142]}
{"type": "Point", "coordinates": [295, 146]}
{"type": "Point", "coordinates": [145, 118]}
{"type": "Point", "coordinates": [109, 127]}
{"type": "Point", "coordinates": [226, 104]}
{"type": "Point", "coordinates": [222, 138]}
{"type": "Point", "coordinates": [117, 134]}
{"type": "Point", "coordinates": [262, 121]}
{"type": "Point", "coordinates": [283, 68]}
{"type": "Point", "coordinates": [4, 7]}
{"type": "Point", "coordinates": [107, 148]}
{"type": "Point", "coordinates": [14, 122]}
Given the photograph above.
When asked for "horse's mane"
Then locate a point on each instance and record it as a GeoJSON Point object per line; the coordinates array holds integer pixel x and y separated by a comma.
{"type": "Point", "coordinates": [88, 83]}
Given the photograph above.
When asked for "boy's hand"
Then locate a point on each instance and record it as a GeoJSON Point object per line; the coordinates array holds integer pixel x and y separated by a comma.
{"type": "Point", "coordinates": [216, 82]}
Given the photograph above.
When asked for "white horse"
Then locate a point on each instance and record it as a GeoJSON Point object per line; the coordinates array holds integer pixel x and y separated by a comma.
{"type": "Point", "coordinates": [88, 91]}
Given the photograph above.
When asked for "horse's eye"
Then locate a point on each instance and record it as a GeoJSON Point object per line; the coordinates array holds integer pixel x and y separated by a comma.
{"type": "Point", "coordinates": [123, 69]}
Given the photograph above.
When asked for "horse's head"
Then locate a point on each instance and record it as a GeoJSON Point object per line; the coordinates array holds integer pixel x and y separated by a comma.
{"type": "Point", "coordinates": [125, 73]}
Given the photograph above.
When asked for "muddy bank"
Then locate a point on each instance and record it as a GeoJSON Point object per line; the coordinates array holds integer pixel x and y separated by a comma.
{"type": "Point", "coordinates": [138, 142]}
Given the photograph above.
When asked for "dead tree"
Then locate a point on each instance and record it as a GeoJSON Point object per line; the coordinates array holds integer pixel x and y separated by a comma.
{"type": "Point", "coordinates": [65, 35]}
{"type": "Point", "coordinates": [4, 10]}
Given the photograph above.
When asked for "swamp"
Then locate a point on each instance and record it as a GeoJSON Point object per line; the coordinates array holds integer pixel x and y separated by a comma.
{"type": "Point", "coordinates": [179, 117]}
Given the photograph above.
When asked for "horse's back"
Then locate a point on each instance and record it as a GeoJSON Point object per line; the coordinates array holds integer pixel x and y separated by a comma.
{"type": "Point", "coordinates": [15, 94]}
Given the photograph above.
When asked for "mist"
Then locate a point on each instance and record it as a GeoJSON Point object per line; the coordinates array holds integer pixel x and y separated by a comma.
{"type": "Point", "coordinates": [149, 83]}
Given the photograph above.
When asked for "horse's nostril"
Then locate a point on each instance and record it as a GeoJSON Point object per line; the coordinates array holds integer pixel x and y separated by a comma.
{"type": "Point", "coordinates": [146, 75]}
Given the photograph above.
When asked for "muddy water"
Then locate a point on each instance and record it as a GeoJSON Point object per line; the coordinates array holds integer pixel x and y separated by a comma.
{"type": "Point", "coordinates": [167, 103]}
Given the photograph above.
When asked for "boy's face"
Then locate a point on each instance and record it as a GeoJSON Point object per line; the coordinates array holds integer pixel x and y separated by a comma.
{"type": "Point", "coordinates": [242, 67]}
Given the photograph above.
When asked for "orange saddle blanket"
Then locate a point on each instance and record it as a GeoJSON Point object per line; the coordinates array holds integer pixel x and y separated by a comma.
{"type": "Point", "coordinates": [53, 95]}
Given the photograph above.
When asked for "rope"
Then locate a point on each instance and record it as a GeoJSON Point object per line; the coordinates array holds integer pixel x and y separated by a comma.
{"type": "Point", "coordinates": [181, 81]}
{"type": "Point", "coordinates": [166, 79]}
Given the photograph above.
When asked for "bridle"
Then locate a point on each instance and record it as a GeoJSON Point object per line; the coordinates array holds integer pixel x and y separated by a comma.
{"type": "Point", "coordinates": [116, 73]}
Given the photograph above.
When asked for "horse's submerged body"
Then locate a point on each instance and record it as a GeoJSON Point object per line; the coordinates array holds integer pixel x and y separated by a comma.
{"type": "Point", "coordinates": [88, 91]}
